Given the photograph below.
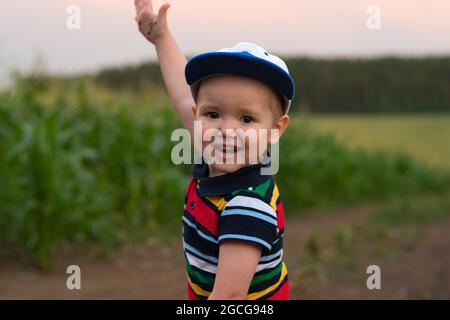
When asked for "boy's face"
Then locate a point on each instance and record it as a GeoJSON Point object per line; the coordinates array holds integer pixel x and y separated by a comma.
{"type": "Point", "coordinates": [244, 116]}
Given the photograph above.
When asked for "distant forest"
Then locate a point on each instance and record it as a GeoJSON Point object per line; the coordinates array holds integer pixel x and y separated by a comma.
{"type": "Point", "coordinates": [389, 84]}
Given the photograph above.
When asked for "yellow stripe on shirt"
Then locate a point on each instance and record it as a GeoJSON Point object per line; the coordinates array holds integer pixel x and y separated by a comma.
{"type": "Point", "coordinates": [253, 296]}
{"type": "Point", "coordinates": [275, 195]}
{"type": "Point", "coordinates": [197, 290]}
{"type": "Point", "coordinates": [257, 295]}
{"type": "Point", "coordinates": [219, 202]}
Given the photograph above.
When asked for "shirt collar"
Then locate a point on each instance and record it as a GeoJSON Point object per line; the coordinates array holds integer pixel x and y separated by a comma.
{"type": "Point", "coordinates": [219, 185]}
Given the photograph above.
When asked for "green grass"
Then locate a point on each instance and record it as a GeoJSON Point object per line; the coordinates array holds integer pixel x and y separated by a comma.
{"type": "Point", "coordinates": [79, 167]}
{"type": "Point", "coordinates": [397, 226]}
{"type": "Point", "coordinates": [413, 211]}
{"type": "Point", "coordinates": [425, 137]}
{"type": "Point", "coordinates": [75, 172]}
{"type": "Point", "coordinates": [319, 170]}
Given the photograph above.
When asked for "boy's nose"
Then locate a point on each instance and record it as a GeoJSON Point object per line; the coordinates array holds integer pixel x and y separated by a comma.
{"type": "Point", "coordinates": [229, 127]}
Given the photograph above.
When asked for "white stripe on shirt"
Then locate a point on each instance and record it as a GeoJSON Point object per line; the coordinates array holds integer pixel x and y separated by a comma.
{"type": "Point", "coordinates": [251, 203]}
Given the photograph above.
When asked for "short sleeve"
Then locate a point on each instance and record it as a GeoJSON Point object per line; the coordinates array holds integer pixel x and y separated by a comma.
{"type": "Point", "coordinates": [250, 219]}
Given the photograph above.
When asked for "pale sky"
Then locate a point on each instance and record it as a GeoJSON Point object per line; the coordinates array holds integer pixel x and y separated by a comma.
{"type": "Point", "coordinates": [109, 35]}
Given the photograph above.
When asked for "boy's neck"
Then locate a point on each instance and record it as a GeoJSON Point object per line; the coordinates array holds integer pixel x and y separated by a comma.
{"type": "Point", "coordinates": [214, 173]}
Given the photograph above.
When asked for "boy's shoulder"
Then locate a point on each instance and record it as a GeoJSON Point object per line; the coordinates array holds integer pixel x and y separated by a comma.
{"type": "Point", "coordinates": [266, 191]}
{"type": "Point", "coordinates": [253, 214]}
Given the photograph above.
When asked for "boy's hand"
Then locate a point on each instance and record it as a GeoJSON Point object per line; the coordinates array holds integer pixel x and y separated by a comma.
{"type": "Point", "coordinates": [171, 59]}
{"type": "Point", "coordinates": [153, 27]}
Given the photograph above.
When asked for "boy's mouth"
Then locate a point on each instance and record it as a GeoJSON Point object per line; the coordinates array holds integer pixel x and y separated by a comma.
{"type": "Point", "coordinates": [226, 151]}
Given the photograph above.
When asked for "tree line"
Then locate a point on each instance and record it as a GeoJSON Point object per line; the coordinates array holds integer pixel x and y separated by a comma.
{"type": "Point", "coordinates": [386, 84]}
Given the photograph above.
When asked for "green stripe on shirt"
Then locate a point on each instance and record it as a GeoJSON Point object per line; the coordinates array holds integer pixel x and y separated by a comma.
{"type": "Point", "coordinates": [210, 280]}
{"type": "Point", "coordinates": [267, 276]}
{"type": "Point", "coordinates": [260, 190]}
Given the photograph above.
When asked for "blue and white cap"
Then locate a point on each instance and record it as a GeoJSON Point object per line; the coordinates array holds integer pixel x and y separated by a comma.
{"type": "Point", "coordinates": [245, 59]}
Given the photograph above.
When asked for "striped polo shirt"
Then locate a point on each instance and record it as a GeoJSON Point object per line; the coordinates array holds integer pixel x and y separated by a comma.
{"type": "Point", "coordinates": [243, 205]}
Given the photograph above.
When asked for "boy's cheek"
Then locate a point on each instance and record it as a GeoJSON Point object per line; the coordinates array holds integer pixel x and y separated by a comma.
{"type": "Point", "coordinates": [260, 139]}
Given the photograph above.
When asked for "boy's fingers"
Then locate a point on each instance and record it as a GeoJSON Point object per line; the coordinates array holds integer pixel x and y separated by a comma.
{"type": "Point", "coordinates": [163, 11]}
{"type": "Point", "coordinates": [149, 5]}
{"type": "Point", "coordinates": [143, 4]}
{"type": "Point", "coordinates": [137, 6]}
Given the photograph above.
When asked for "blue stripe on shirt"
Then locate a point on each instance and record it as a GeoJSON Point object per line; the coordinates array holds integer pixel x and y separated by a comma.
{"type": "Point", "coordinates": [243, 237]}
{"type": "Point", "coordinates": [249, 213]}
{"type": "Point", "coordinates": [195, 251]}
{"type": "Point", "coordinates": [199, 232]}
{"type": "Point", "coordinates": [275, 255]}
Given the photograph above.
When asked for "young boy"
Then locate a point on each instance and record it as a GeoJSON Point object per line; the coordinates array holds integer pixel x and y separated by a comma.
{"type": "Point", "coordinates": [233, 221]}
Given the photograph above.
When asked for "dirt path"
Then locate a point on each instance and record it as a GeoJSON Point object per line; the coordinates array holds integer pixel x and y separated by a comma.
{"type": "Point", "coordinates": [146, 273]}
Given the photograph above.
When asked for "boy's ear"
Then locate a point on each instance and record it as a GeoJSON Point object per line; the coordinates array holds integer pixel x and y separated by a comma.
{"type": "Point", "coordinates": [280, 126]}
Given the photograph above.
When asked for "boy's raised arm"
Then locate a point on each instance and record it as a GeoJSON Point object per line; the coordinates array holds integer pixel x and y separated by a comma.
{"type": "Point", "coordinates": [171, 60]}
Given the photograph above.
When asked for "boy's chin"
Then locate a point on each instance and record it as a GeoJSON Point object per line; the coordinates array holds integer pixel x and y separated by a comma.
{"type": "Point", "coordinates": [216, 169]}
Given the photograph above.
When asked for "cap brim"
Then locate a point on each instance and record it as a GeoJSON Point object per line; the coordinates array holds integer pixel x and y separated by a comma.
{"type": "Point", "coordinates": [241, 63]}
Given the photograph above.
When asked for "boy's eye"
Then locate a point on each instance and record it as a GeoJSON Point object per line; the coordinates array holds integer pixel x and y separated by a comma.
{"type": "Point", "coordinates": [213, 115]}
{"type": "Point", "coordinates": [246, 119]}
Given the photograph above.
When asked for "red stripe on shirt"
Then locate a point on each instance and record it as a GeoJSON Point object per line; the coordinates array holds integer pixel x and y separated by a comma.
{"type": "Point", "coordinates": [280, 216]}
{"type": "Point", "coordinates": [202, 213]}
